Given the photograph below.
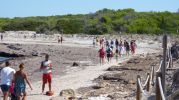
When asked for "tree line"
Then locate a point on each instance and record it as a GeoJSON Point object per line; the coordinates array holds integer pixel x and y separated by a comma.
{"type": "Point", "coordinates": [105, 21]}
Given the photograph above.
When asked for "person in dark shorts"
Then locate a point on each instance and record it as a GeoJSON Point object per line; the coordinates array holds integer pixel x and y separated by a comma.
{"type": "Point", "coordinates": [109, 54]}
{"type": "Point", "coordinates": [61, 39]}
{"type": "Point", "coordinates": [116, 43]}
{"type": "Point", "coordinates": [107, 43]}
{"type": "Point", "coordinates": [112, 42]}
{"type": "Point", "coordinates": [127, 47]}
{"type": "Point", "coordinates": [6, 76]}
{"type": "Point", "coordinates": [20, 78]}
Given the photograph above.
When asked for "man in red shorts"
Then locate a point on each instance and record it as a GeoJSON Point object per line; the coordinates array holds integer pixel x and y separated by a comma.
{"type": "Point", "coordinates": [46, 68]}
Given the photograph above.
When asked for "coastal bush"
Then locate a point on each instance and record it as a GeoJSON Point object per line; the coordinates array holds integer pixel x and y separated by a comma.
{"type": "Point", "coordinates": [103, 21]}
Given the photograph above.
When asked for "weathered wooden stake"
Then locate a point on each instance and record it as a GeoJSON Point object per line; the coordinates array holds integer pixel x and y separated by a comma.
{"type": "Point", "coordinates": [158, 95]}
{"type": "Point", "coordinates": [153, 75]}
{"type": "Point", "coordinates": [163, 69]}
{"type": "Point", "coordinates": [171, 59]}
{"type": "Point", "coordinates": [148, 83]}
{"type": "Point", "coordinates": [138, 93]}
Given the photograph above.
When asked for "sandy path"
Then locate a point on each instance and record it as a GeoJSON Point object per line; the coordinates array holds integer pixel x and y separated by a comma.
{"type": "Point", "coordinates": [82, 78]}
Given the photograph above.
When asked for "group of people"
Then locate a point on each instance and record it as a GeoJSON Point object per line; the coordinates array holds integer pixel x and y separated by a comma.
{"type": "Point", "coordinates": [13, 82]}
{"type": "Point", "coordinates": [115, 48]}
{"type": "Point", "coordinates": [60, 39]}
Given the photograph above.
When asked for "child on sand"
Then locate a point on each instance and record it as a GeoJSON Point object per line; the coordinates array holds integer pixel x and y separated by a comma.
{"type": "Point", "coordinates": [19, 78]}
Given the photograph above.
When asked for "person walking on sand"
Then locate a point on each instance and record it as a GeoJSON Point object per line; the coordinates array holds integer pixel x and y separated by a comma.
{"type": "Point", "coordinates": [127, 47]}
{"type": "Point", "coordinates": [94, 40]}
{"type": "Point", "coordinates": [6, 76]}
{"type": "Point", "coordinates": [61, 39]}
{"type": "Point", "coordinates": [107, 43]}
{"type": "Point", "coordinates": [101, 42]}
{"type": "Point", "coordinates": [117, 54]}
{"type": "Point", "coordinates": [112, 42]}
{"type": "Point", "coordinates": [20, 78]}
{"type": "Point", "coordinates": [97, 40]}
{"type": "Point", "coordinates": [109, 54]}
{"type": "Point", "coordinates": [46, 68]}
{"type": "Point", "coordinates": [120, 49]}
{"type": "Point", "coordinates": [101, 55]}
{"type": "Point", "coordinates": [133, 46]}
{"type": "Point", "coordinates": [1, 37]}
{"type": "Point", "coordinates": [116, 43]}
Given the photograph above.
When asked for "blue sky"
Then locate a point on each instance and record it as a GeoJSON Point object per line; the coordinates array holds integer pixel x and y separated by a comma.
{"type": "Point", "coordinates": [23, 8]}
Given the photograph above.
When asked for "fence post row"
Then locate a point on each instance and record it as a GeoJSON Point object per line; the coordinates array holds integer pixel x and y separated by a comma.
{"type": "Point", "coordinates": [160, 82]}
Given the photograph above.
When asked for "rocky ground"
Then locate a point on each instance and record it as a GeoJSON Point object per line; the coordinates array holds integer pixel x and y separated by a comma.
{"type": "Point", "coordinates": [62, 56]}
{"type": "Point", "coordinates": [119, 83]}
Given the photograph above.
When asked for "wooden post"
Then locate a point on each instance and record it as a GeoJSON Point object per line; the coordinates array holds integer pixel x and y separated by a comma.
{"type": "Point", "coordinates": [148, 83]}
{"type": "Point", "coordinates": [158, 95]}
{"type": "Point", "coordinates": [171, 59]}
{"type": "Point", "coordinates": [152, 76]}
{"type": "Point", "coordinates": [138, 93]}
{"type": "Point", "coordinates": [163, 69]}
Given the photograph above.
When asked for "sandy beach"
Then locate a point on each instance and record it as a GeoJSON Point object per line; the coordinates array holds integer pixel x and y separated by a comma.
{"type": "Point", "coordinates": [66, 76]}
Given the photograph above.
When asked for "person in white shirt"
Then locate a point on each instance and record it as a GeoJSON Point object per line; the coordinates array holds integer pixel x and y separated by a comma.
{"type": "Point", "coordinates": [6, 76]}
{"type": "Point", "coordinates": [46, 68]}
